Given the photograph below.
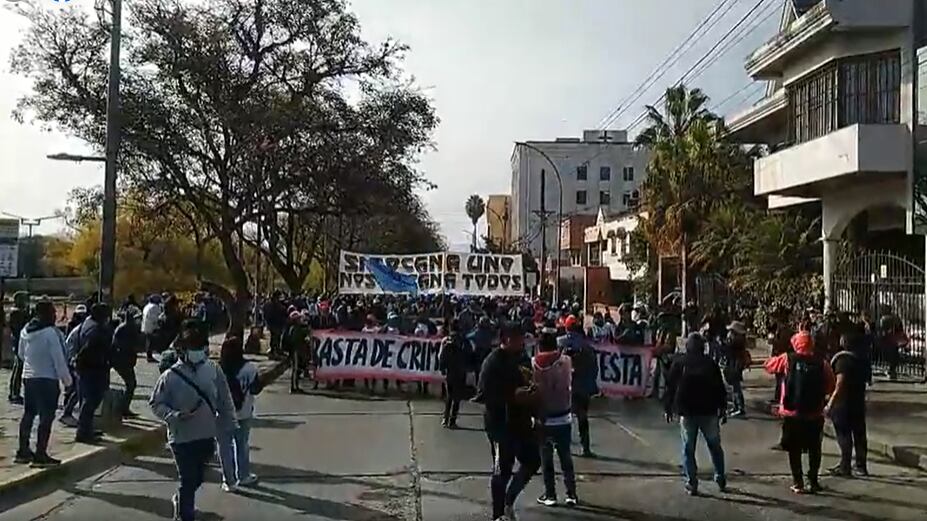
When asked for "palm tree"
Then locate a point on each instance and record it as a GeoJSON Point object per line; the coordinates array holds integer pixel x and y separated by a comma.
{"type": "Point", "coordinates": [683, 174]}
{"type": "Point", "coordinates": [475, 208]}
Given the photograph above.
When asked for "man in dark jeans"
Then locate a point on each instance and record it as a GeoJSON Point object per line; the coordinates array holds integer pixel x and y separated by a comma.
{"type": "Point", "coordinates": [847, 406]}
{"type": "Point", "coordinates": [552, 373]}
{"type": "Point", "coordinates": [42, 351]}
{"type": "Point", "coordinates": [19, 315]}
{"type": "Point", "coordinates": [585, 377]}
{"type": "Point", "coordinates": [506, 391]}
{"type": "Point", "coordinates": [93, 365]}
{"type": "Point", "coordinates": [454, 363]}
{"type": "Point", "coordinates": [127, 341]}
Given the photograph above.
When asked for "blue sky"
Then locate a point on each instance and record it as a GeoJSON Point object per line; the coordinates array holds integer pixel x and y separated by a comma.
{"type": "Point", "coordinates": [497, 70]}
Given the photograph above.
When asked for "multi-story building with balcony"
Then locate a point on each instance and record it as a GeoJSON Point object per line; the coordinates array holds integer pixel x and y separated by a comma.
{"type": "Point", "coordinates": [839, 115]}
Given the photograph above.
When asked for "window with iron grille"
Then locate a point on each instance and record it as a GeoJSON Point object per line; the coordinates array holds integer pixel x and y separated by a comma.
{"type": "Point", "coordinates": [862, 89]}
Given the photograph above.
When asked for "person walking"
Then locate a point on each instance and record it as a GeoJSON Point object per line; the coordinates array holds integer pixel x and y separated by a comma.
{"type": "Point", "coordinates": [454, 363]}
{"type": "Point", "coordinates": [509, 398]}
{"type": "Point", "coordinates": [18, 318]}
{"type": "Point", "coordinates": [585, 377]}
{"type": "Point", "coordinates": [295, 343]}
{"type": "Point", "coordinates": [847, 405]}
{"type": "Point", "coordinates": [72, 343]}
{"type": "Point", "coordinates": [41, 349]}
{"type": "Point", "coordinates": [735, 358]}
{"type": "Point", "coordinates": [192, 398]}
{"type": "Point", "coordinates": [93, 362]}
{"type": "Point", "coordinates": [244, 384]}
{"type": "Point", "coordinates": [151, 315]}
{"type": "Point", "coordinates": [808, 379]}
{"type": "Point", "coordinates": [127, 340]}
{"type": "Point", "coordinates": [695, 393]}
{"type": "Point", "coordinates": [552, 375]}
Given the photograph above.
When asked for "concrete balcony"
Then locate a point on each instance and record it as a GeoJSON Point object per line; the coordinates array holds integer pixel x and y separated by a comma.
{"type": "Point", "coordinates": [809, 169]}
{"type": "Point", "coordinates": [820, 22]}
{"type": "Point", "coordinates": [764, 122]}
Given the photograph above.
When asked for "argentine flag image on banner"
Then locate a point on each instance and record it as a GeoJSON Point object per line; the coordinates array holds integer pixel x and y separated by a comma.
{"type": "Point", "coordinates": [390, 280]}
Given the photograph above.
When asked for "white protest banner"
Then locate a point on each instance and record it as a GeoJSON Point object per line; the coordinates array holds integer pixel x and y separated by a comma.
{"type": "Point", "coordinates": [349, 354]}
{"type": "Point", "coordinates": [623, 370]}
{"type": "Point", "coordinates": [431, 273]}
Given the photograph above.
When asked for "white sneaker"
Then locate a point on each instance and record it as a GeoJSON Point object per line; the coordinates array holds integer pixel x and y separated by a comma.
{"type": "Point", "coordinates": [547, 501]}
{"type": "Point", "coordinates": [251, 479]}
{"type": "Point", "coordinates": [231, 489]}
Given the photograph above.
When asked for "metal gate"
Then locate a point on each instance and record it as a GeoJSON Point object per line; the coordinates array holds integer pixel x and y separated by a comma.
{"type": "Point", "coordinates": [886, 286]}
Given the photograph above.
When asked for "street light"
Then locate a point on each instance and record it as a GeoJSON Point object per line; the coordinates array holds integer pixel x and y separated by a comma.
{"type": "Point", "coordinates": [108, 235]}
{"type": "Point", "coordinates": [559, 218]}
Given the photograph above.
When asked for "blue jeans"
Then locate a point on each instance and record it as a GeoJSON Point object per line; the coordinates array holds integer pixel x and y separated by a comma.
{"type": "Point", "coordinates": [234, 453]}
{"type": "Point", "coordinates": [191, 458]}
{"type": "Point", "coordinates": [710, 428]}
{"type": "Point", "coordinates": [558, 437]}
{"type": "Point", "coordinates": [41, 399]}
{"type": "Point", "coordinates": [92, 386]}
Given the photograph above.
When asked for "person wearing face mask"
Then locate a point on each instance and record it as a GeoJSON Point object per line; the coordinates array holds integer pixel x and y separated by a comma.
{"type": "Point", "coordinates": [193, 399]}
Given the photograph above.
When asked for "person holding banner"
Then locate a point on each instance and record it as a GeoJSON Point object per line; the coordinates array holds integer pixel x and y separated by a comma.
{"type": "Point", "coordinates": [510, 398]}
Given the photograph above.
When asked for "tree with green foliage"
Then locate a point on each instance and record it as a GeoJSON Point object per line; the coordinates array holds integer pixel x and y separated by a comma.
{"type": "Point", "coordinates": [475, 208]}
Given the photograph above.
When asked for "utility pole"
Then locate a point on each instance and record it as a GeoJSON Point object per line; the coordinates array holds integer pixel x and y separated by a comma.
{"type": "Point", "coordinates": [108, 241]}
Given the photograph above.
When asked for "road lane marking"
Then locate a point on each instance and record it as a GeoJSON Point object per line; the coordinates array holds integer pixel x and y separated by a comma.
{"type": "Point", "coordinates": [628, 431]}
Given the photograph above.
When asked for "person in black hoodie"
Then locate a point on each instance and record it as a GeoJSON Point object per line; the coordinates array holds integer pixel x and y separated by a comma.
{"type": "Point", "coordinates": [93, 364]}
{"type": "Point", "coordinates": [19, 315]}
{"type": "Point", "coordinates": [507, 392]}
{"type": "Point", "coordinates": [127, 341]}
{"type": "Point", "coordinates": [695, 392]}
{"type": "Point", "coordinates": [454, 363]}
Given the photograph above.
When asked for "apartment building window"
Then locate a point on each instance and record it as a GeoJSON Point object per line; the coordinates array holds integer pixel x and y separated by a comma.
{"type": "Point", "coordinates": [580, 197]}
{"type": "Point", "coordinates": [581, 173]}
{"type": "Point", "coordinates": [871, 89]}
{"type": "Point", "coordinates": [861, 89]}
{"type": "Point", "coordinates": [614, 245]}
{"type": "Point", "coordinates": [605, 173]}
{"type": "Point", "coordinates": [605, 198]}
{"type": "Point", "coordinates": [626, 199]}
{"type": "Point", "coordinates": [628, 173]}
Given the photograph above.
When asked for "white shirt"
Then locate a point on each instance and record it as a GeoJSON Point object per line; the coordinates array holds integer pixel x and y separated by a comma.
{"type": "Point", "coordinates": [150, 316]}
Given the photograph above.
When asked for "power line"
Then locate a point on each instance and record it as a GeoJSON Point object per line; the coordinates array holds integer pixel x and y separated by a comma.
{"type": "Point", "coordinates": [669, 61]}
{"type": "Point", "coordinates": [744, 32]}
{"type": "Point", "coordinates": [704, 57]}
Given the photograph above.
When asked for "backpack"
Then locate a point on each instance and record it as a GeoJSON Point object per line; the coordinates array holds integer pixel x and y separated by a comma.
{"type": "Point", "coordinates": [804, 384]}
{"type": "Point", "coordinates": [697, 379]}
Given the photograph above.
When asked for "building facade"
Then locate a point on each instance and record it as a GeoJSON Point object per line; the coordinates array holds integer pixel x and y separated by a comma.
{"type": "Point", "coordinates": [600, 170]}
{"type": "Point", "coordinates": [839, 115]}
{"type": "Point", "coordinates": [498, 220]}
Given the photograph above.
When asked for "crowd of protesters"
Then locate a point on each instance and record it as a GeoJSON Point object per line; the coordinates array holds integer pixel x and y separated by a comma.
{"type": "Point", "coordinates": [531, 365]}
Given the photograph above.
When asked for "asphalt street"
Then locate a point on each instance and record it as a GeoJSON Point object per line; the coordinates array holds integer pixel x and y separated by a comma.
{"type": "Point", "coordinates": [371, 459]}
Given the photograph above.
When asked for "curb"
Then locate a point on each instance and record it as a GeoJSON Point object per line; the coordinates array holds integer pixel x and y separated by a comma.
{"type": "Point", "coordinates": [902, 455]}
{"type": "Point", "coordinates": [102, 457]}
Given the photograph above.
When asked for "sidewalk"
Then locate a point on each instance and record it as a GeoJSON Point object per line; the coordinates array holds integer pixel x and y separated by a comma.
{"type": "Point", "coordinates": [134, 436]}
{"type": "Point", "coordinates": [896, 416]}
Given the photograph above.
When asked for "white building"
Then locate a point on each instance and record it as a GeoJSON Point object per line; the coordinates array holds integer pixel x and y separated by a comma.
{"type": "Point", "coordinates": [839, 114]}
{"type": "Point", "coordinates": [601, 170]}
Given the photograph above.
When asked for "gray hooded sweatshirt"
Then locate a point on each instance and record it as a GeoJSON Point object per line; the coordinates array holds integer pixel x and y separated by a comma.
{"type": "Point", "coordinates": [187, 415]}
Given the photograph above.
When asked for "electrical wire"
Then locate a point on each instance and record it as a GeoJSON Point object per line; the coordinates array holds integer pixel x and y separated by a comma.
{"type": "Point", "coordinates": [669, 61]}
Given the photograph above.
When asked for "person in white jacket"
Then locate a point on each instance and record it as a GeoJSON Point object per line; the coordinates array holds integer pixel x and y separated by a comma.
{"type": "Point", "coordinates": [150, 317]}
{"type": "Point", "coordinates": [42, 350]}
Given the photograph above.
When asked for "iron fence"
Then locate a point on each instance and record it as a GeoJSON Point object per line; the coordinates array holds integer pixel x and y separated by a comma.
{"type": "Point", "coordinates": [890, 289]}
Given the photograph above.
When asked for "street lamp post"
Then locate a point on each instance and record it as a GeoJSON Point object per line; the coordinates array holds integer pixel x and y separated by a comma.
{"type": "Point", "coordinates": [108, 235]}
{"type": "Point", "coordinates": [556, 296]}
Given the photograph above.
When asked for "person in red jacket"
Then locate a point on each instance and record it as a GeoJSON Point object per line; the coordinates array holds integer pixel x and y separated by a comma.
{"type": "Point", "coordinates": [807, 381]}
